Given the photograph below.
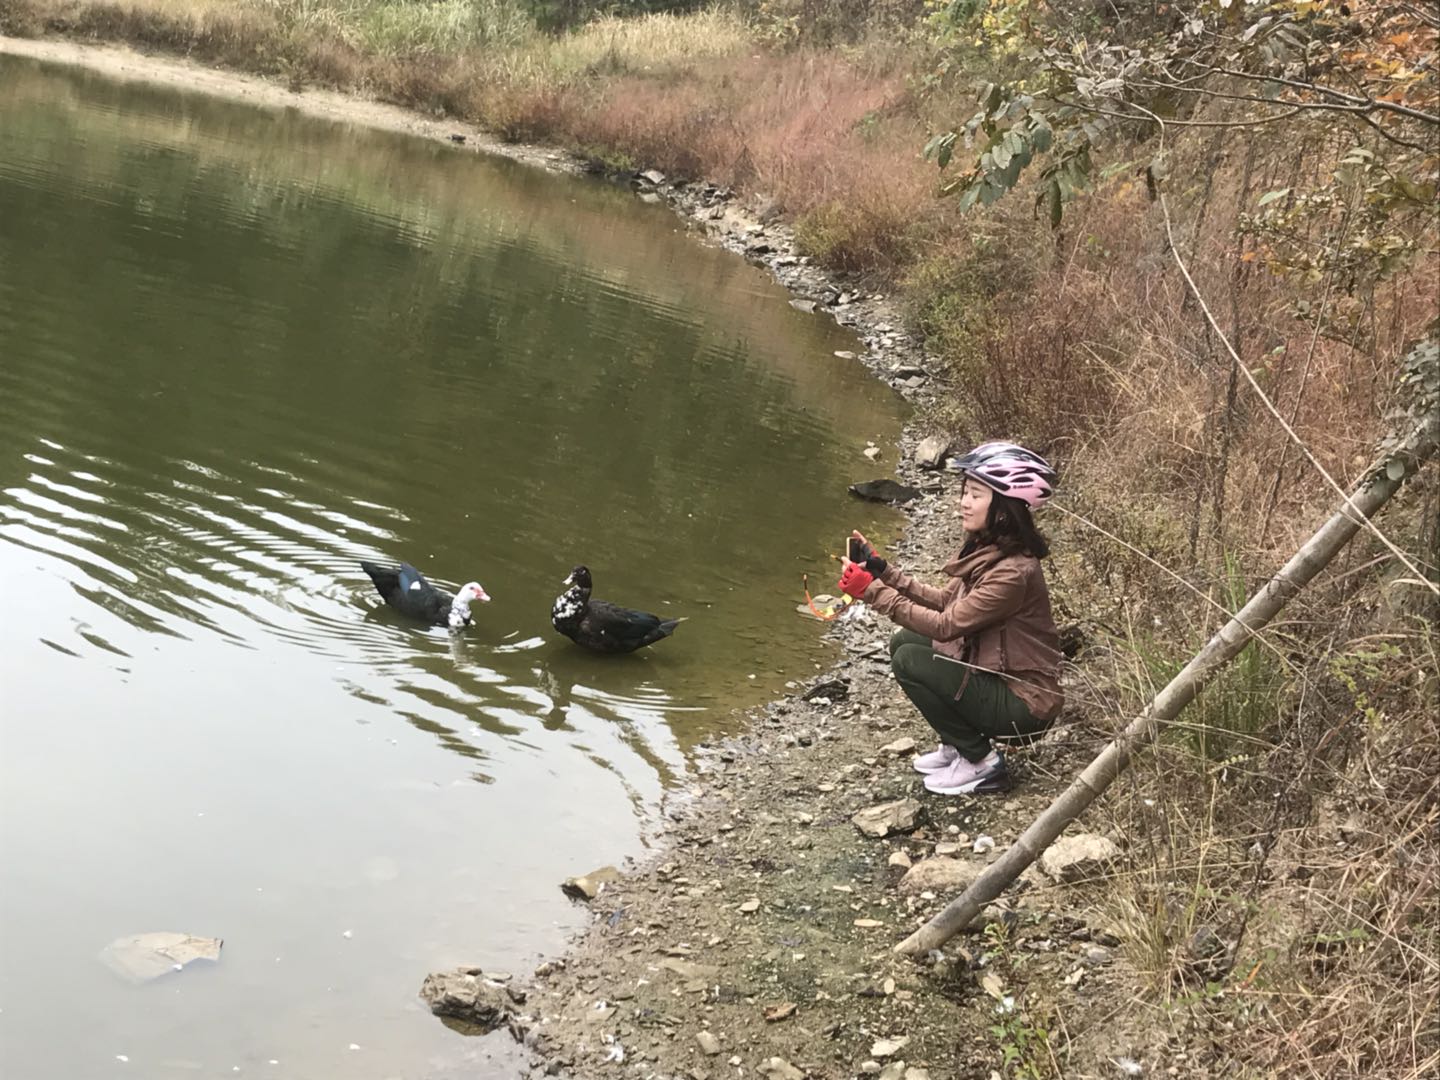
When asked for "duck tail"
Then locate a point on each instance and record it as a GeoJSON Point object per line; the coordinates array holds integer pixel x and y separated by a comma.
{"type": "Point", "coordinates": [384, 577]}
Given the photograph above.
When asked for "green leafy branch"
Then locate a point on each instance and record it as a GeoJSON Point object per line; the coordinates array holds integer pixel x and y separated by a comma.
{"type": "Point", "coordinates": [1010, 131]}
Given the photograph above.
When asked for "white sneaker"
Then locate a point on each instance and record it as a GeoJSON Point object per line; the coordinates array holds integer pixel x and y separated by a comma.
{"type": "Point", "coordinates": [961, 777]}
{"type": "Point", "coordinates": [939, 758]}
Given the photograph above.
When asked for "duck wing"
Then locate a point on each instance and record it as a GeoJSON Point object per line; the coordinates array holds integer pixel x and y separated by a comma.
{"type": "Point", "coordinates": [608, 627]}
{"type": "Point", "coordinates": [405, 589]}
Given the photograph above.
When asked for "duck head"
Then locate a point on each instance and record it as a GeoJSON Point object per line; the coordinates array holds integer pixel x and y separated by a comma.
{"type": "Point", "coordinates": [460, 607]}
{"type": "Point", "coordinates": [579, 579]}
{"type": "Point", "coordinates": [472, 591]}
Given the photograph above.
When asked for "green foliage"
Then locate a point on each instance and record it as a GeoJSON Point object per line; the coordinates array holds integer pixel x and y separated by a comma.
{"type": "Point", "coordinates": [785, 23]}
{"type": "Point", "coordinates": [1011, 132]}
{"type": "Point", "coordinates": [851, 239]}
{"type": "Point", "coordinates": [1359, 670]}
{"type": "Point", "coordinates": [950, 299]}
{"type": "Point", "coordinates": [1373, 214]}
{"type": "Point", "coordinates": [1096, 80]}
{"type": "Point", "coordinates": [1025, 1050]}
{"type": "Point", "coordinates": [406, 27]}
{"type": "Point", "coordinates": [1233, 718]}
{"type": "Point", "coordinates": [558, 15]}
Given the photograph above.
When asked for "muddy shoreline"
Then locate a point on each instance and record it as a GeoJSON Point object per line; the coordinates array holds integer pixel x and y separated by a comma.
{"type": "Point", "coordinates": [758, 940]}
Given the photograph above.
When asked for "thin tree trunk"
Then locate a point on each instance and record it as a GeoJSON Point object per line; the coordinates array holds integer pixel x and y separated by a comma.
{"type": "Point", "coordinates": [1312, 557]}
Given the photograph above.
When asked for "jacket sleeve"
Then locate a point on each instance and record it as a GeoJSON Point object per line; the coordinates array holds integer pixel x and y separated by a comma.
{"type": "Point", "coordinates": [926, 595]}
{"type": "Point", "coordinates": [995, 597]}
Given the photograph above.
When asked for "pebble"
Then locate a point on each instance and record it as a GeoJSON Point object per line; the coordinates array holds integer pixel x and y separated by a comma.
{"type": "Point", "coordinates": [709, 1044]}
{"type": "Point", "coordinates": [889, 1047]}
{"type": "Point", "coordinates": [749, 907]}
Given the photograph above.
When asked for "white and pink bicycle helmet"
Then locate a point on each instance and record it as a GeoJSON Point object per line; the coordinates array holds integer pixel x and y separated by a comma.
{"type": "Point", "coordinates": [1010, 470]}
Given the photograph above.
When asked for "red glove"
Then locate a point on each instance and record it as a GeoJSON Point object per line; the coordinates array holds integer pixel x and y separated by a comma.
{"type": "Point", "coordinates": [855, 580]}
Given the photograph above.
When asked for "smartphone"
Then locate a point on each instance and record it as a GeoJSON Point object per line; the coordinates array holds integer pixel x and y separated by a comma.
{"type": "Point", "coordinates": [854, 549]}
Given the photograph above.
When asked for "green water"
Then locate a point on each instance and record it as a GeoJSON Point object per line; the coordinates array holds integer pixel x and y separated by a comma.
{"type": "Point", "coordinates": [240, 350]}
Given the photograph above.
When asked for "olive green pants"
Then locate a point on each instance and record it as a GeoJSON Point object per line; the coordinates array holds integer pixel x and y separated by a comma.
{"type": "Point", "coordinates": [987, 709]}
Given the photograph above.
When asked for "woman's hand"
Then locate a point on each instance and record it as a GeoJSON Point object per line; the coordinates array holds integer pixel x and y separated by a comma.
{"type": "Point", "coordinates": [872, 561]}
{"type": "Point", "coordinates": [854, 579]}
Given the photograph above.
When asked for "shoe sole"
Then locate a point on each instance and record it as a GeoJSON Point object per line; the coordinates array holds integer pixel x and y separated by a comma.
{"type": "Point", "coordinates": [983, 785]}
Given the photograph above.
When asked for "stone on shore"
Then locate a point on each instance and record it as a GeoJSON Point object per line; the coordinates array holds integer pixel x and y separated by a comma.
{"type": "Point", "coordinates": [779, 1069]}
{"type": "Point", "coordinates": [466, 994]}
{"type": "Point", "coordinates": [940, 875]}
{"type": "Point", "coordinates": [901, 816]}
{"type": "Point", "coordinates": [1075, 858]}
{"type": "Point", "coordinates": [588, 886]}
{"type": "Point", "coordinates": [931, 452]}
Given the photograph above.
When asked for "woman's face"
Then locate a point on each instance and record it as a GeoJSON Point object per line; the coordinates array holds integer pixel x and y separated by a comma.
{"type": "Point", "coordinates": [974, 505]}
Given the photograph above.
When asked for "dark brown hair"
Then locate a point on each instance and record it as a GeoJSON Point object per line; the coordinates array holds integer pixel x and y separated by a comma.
{"type": "Point", "coordinates": [1010, 527]}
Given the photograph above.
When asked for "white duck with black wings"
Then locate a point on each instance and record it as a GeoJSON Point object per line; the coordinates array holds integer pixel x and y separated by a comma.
{"type": "Point", "coordinates": [405, 589]}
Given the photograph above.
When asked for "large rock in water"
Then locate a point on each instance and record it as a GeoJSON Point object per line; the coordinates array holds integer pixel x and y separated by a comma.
{"type": "Point", "coordinates": [589, 886]}
{"type": "Point", "coordinates": [466, 994]}
{"type": "Point", "coordinates": [143, 957]}
{"type": "Point", "coordinates": [1075, 858]}
{"type": "Point", "coordinates": [885, 490]}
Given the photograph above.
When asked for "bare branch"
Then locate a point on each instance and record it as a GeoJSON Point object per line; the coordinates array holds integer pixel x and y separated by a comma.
{"type": "Point", "coordinates": [1360, 103]}
{"type": "Point", "coordinates": [1181, 123]}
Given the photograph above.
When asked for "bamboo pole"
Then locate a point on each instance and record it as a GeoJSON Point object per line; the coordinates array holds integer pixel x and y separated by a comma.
{"type": "Point", "coordinates": [1312, 557]}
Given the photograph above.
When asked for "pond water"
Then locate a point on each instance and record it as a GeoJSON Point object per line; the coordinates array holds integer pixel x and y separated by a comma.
{"type": "Point", "coordinates": [241, 350]}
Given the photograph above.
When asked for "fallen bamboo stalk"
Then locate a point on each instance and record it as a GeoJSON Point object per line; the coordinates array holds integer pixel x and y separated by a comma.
{"type": "Point", "coordinates": [1309, 560]}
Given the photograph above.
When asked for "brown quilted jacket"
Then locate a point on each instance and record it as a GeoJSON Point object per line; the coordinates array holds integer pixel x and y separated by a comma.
{"type": "Point", "coordinates": [993, 614]}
